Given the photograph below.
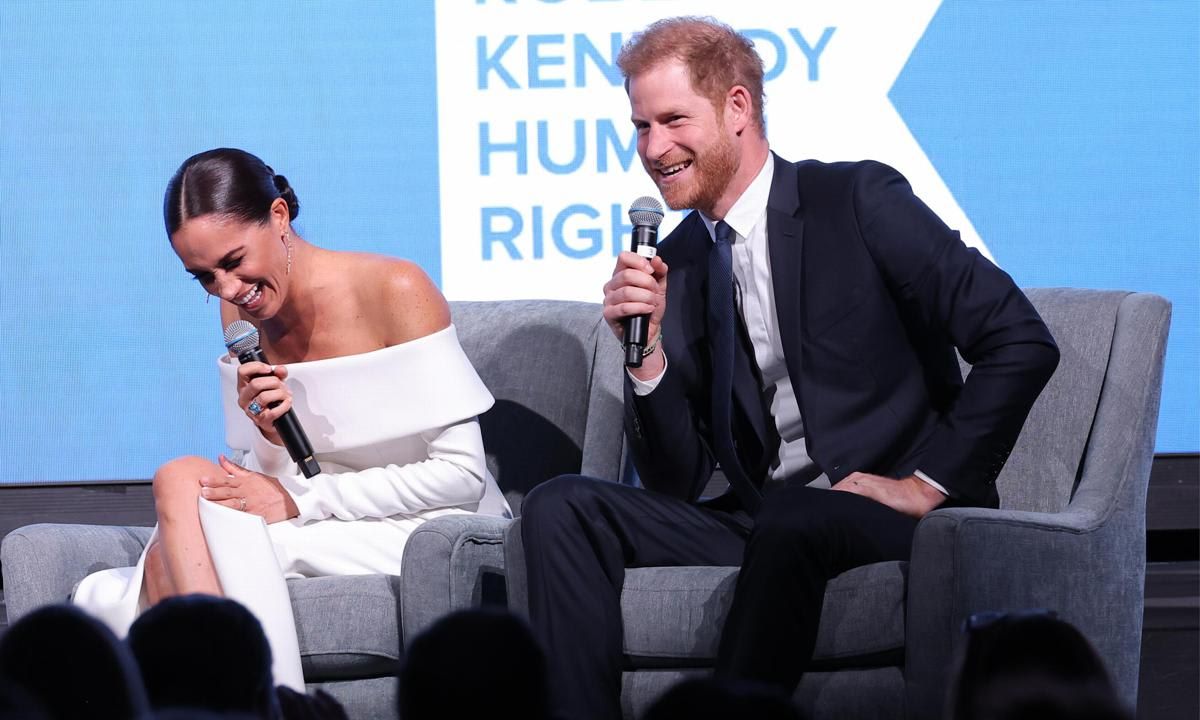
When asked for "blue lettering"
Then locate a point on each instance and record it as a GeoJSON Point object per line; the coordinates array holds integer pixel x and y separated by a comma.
{"type": "Point", "coordinates": [537, 60]}
{"type": "Point", "coordinates": [620, 229]}
{"type": "Point", "coordinates": [491, 62]}
{"type": "Point", "coordinates": [543, 142]}
{"type": "Point", "coordinates": [813, 54]}
{"type": "Point", "coordinates": [776, 42]}
{"type": "Point", "coordinates": [607, 66]}
{"type": "Point", "coordinates": [487, 147]}
{"type": "Point", "coordinates": [607, 136]}
{"type": "Point", "coordinates": [491, 235]}
{"type": "Point", "coordinates": [539, 244]}
{"type": "Point", "coordinates": [591, 234]}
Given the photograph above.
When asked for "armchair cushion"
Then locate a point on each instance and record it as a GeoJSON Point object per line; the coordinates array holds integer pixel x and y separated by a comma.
{"type": "Point", "coordinates": [673, 615]}
{"type": "Point", "coordinates": [347, 625]}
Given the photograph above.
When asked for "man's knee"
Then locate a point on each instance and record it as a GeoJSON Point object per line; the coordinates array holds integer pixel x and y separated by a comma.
{"type": "Point", "coordinates": [558, 504]}
{"type": "Point", "coordinates": [558, 494]}
{"type": "Point", "coordinates": [800, 519]}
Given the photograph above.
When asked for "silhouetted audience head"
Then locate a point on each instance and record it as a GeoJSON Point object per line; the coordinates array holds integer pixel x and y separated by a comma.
{"type": "Point", "coordinates": [320, 705]}
{"type": "Point", "coordinates": [714, 698]}
{"type": "Point", "coordinates": [181, 713]}
{"type": "Point", "coordinates": [15, 704]}
{"type": "Point", "coordinates": [1030, 665]}
{"type": "Point", "coordinates": [70, 665]}
{"type": "Point", "coordinates": [206, 652]}
{"type": "Point", "coordinates": [474, 664]}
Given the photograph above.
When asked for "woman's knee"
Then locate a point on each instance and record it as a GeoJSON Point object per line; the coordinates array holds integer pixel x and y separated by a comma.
{"type": "Point", "coordinates": [179, 480]}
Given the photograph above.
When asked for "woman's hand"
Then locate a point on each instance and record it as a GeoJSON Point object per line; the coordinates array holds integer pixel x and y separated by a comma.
{"type": "Point", "coordinates": [261, 388]}
{"type": "Point", "coordinates": [250, 492]}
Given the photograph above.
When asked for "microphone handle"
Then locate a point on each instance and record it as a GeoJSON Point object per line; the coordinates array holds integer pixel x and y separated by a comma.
{"type": "Point", "coordinates": [288, 425]}
{"type": "Point", "coordinates": [644, 242]}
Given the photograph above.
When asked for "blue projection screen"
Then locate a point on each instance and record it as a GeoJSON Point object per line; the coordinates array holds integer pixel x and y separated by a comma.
{"type": "Point", "coordinates": [489, 141]}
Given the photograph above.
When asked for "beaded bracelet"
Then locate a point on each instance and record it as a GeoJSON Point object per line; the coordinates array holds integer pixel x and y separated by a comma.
{"type": "Point", "coordinates": [649, 349]}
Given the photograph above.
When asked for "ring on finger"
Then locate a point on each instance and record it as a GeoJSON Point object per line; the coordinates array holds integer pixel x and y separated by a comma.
{"type": "Point", "coordinates": [254, 408]}
{"type": "Point", "coordinates": [243, 507]}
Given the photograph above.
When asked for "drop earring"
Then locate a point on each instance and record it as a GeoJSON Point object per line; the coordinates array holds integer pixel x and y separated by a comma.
{"type": "Point", "coordinates": [287, 240]}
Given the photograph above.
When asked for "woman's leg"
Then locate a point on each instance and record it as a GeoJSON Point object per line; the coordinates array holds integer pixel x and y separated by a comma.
{"type": "Point", "coordinates": [156, 583]}
{"type": "Point", "coordinates": [180, 563]}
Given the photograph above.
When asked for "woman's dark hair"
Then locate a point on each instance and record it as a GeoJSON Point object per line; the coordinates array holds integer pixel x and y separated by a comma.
{"type": "Point", "coordinates": [225, 181]}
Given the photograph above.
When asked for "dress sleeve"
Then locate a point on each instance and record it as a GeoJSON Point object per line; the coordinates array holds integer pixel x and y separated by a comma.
{"type": "Point", "coordinates": [453, 475]}
{"type": "Point", "coordinates": [268, 458]}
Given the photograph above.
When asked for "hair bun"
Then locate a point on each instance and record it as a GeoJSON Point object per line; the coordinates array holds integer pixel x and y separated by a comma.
{"type": "Point", "coordinates": [288, 194]}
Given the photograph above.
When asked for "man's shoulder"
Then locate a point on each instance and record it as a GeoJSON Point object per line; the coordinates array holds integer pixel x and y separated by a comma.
{"type": "Point", "coordinates": [679, 243]}
{"type": "Point", "coordinates": [842, 174]}
{"type": "Point", "coordinates": [832, 187]}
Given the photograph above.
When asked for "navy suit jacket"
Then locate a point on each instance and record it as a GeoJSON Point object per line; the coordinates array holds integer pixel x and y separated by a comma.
{"type": "Point", "coordinates": [873, 294]}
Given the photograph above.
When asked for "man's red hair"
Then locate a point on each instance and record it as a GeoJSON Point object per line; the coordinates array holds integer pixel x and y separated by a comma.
{"type": "Point", "coordinates": [717, 58]}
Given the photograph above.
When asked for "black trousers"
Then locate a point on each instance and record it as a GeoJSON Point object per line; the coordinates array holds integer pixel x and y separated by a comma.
{"type": "Point", "coordinates": [580, 534]}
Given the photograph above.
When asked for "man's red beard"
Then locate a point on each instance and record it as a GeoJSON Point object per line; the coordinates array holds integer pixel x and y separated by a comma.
{"type": "Point", "coordinates": [712, 170]}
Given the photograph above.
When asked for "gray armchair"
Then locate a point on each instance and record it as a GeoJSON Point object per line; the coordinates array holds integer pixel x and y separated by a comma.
{"type": "Point", "coordinates": [554, 369]}
{"type": "Point", "coordinates": [1070, 535]}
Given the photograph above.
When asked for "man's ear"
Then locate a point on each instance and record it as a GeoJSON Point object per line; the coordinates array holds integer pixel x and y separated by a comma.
{"type": "Point", "coordinates": [739, 109]}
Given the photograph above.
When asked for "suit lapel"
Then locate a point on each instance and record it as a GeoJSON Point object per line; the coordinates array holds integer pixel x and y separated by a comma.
{"type": "Point", "coordinates": [785, 230]}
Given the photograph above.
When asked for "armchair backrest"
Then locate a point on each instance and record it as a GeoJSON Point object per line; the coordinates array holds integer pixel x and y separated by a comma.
{"type": "Point", "coordinates": [1111, 346]}
{"type": "Point", "coordinates": [554, 369]}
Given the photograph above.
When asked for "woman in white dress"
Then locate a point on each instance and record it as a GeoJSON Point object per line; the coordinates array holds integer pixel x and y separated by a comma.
{"type": "Point", "coordinates": [364, 354]}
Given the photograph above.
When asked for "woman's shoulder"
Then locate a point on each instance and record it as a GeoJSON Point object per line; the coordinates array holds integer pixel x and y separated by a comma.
{"type": "Point", "coordinates": [398, 296]}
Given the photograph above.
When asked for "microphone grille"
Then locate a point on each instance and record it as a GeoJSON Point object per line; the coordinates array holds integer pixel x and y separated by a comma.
{"type": "Point", "coordinates": [646, 211]}
{"type": "Point", "coordinates": [240, 336]}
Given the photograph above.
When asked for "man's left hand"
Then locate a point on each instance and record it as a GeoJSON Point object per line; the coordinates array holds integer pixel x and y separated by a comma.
{"type": "Point", "coordinates": [910, 495]}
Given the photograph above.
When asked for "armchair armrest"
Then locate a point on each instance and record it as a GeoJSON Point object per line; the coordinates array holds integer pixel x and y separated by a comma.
{"type": "Point", "coordinates": [1081, 564]}
{"type": "Point", "coordinates": [450, 563]}
{"type": "Point", "coordinates": [43, 563]}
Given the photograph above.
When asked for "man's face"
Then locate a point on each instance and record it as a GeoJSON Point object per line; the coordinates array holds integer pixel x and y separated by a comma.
{"type": "Point", "coordinates": [683, 141]}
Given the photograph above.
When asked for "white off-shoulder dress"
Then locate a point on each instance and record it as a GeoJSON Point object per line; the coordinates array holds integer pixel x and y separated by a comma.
{"type": "Point", "coordinates": [397, 437]}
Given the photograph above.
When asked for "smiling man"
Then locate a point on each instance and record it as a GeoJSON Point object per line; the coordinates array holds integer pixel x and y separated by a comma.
{"type": "Point", "coordinates": [806, 339]}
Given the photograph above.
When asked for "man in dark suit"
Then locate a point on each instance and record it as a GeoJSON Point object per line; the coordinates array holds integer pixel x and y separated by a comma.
{"type": "Point", "coordinates": [806, 338]}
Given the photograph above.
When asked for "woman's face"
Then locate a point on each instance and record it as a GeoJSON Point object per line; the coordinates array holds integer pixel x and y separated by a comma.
{"type": "Point", "coordinates": [242, 263]}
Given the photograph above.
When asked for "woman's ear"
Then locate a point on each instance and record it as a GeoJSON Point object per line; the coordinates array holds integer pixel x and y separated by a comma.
{"type": "Point", "coordinates": [281, 217]}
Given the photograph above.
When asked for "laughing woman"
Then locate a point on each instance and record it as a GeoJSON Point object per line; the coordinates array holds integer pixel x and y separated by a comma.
{"type": "Point", "coordinates": [383, 390]}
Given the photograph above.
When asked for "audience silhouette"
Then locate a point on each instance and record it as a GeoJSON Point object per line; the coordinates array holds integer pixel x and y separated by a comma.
{"type": "Point", "coordinates": [473, 664]}
{"type": "Point", "coordinates": [69, 665]}
{"type": "Point", "coordinates": [1030, 665]}
{"type": "Point", "coordinates": [202, 651]}
{"type": "Point", "coordinates": [715, 698]}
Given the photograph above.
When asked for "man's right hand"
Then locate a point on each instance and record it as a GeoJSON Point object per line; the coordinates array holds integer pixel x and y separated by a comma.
{"type": "Point", "coordinates": [638, 287]}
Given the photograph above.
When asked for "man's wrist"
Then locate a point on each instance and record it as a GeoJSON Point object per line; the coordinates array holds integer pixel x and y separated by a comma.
{"type": "Point", "coordinates": [646, 377]}
{"type": "Point", "coordinates": [931, 482]}
{"type": "Point", "coordinates": [932, 496]}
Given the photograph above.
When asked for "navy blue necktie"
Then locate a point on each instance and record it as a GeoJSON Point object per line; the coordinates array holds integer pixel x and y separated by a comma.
{"type": "Point", "coordinates": [722, 329]}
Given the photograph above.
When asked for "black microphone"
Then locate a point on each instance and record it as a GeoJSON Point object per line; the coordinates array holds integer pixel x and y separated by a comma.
{"type": "Point", "coordinates": [241, 338]}
{"type": "Point", "coordinates": [645, 213]}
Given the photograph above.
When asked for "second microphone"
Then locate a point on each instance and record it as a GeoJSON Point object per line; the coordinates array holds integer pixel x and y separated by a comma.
{"type": "Point", "coordinates": [241, 338]}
